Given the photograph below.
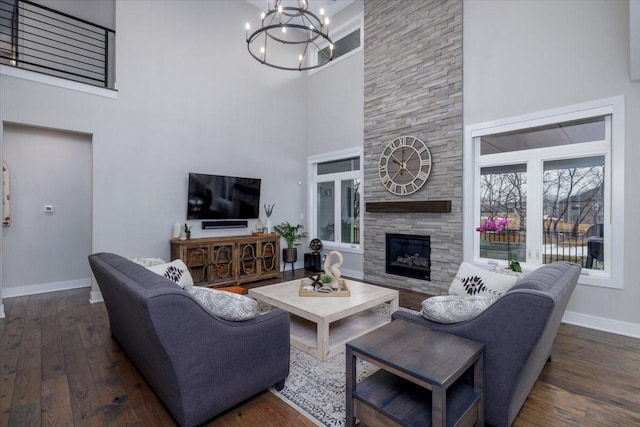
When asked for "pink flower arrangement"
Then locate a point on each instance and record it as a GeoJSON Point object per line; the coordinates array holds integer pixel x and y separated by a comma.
{"type": "Point", "coordinates": [493, 224]}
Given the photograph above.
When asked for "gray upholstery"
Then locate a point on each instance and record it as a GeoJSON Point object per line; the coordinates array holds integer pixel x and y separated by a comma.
{"type": "Point", "coordinates": [198, 365]}
{"type": "Point", "coordinates": [518, 332]}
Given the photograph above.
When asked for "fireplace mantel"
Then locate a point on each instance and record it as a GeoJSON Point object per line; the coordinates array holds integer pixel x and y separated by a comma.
{"type": "Point", "coordinates": [425, 206]}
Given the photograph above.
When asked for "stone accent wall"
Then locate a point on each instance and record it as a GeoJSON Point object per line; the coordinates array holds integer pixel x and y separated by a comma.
{"type": "Point", "coordinates": [413, 86]}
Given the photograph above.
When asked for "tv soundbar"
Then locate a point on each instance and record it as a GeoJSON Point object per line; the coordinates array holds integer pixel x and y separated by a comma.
{"type": "Point", "coordinates": [208, 225]}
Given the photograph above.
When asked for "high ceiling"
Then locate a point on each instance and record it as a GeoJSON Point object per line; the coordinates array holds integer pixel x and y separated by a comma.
{"type": "Point", "coordinates": [331, 7]}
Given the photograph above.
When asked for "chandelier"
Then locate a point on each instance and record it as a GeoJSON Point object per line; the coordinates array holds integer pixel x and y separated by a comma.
{"type": "Point", "coordinates": [295, 28]}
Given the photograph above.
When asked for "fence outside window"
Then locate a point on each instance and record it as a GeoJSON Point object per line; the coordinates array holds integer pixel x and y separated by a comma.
{"type": "Point", "coordinates": [584, 249]}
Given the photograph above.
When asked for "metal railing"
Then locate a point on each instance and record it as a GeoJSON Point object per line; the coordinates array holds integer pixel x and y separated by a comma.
{"type": "Point", "coordinates": [557, 246]}
{"type": "Point", "coordinates": [37, 38]}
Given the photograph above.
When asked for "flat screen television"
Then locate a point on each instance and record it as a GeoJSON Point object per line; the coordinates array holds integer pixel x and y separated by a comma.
{"type": "Point", "coordinates": [223, 197]}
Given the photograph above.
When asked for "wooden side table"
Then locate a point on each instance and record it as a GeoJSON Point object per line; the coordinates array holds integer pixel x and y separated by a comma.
{"type": "Point", "coordinates": [417, 383]}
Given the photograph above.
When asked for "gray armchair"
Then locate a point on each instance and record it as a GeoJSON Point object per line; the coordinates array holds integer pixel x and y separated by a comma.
{"type": "Point", "coordinates": [518, 331]}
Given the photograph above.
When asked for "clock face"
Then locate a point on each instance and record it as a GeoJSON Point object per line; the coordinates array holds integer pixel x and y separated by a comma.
{"type": "Point", "coordinates": [405, 165]}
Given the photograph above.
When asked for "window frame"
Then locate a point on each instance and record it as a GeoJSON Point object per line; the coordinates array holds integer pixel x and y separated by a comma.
{"type": "Point", "coordinates": [614, 180]}
{"type": "Point", "coordinates": [342, 31]}
{"type": "Point", "coordinates": [313, 179]}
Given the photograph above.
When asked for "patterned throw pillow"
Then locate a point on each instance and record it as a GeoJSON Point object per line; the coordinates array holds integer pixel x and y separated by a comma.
{"type": "Point", "coordinates": [148, 262]}
{"type": "Point", "coordinates": [176, 270]}
{"type": "Point", "coordinates": [472, 280]}
{"type": "Point", "coordinates": [455, 308]}
{"type": "Point", "coordinates": [226, 305]}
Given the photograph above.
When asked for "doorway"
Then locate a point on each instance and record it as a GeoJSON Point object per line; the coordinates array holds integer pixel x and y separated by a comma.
{"type": "Point", "coordinates": [46, 244]}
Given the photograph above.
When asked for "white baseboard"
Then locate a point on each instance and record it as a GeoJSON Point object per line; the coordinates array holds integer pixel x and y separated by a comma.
{"type": "Point", "coordinates": [19, 291]}
{"type": "Point", "coordinates": [352, 273]}
{"type": "Point", "coordinates": [602, 324]}
{"type": "Point", "coordinates": [95, 297]}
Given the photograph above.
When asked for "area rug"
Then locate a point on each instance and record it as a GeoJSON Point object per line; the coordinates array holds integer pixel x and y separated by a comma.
{"type": "Point", "coordinates": [318, 389]}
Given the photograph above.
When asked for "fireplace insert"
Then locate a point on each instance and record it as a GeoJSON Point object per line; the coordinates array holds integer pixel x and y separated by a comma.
{"type": "Point", "coordinates": [408, 255]}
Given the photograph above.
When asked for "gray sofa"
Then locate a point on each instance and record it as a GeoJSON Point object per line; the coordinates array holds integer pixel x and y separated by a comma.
{"type": "Point", "coordinates": [198, 365]}
{"type": "Point", "coordinates": [518, 332]}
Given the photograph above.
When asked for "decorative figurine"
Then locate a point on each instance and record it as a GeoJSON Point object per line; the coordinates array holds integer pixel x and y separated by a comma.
{"type": "Point", "coordinates": [315, 245]}
{"type": "Point", "coordinates": [333, 269]}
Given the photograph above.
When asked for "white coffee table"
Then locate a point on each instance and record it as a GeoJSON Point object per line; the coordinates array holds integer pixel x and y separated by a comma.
{"type": "Point", "coordinates": [320, 326]}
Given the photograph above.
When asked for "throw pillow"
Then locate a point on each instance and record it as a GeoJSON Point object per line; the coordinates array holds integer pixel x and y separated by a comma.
{"type": "Point", "coordinates": [226, 305]}
{"type": "Point", "coordinates": [176, 271]}
{"type": "Point", "coordinates": [472, 280]}
{"type": "Point", "coordinates": [148, 262]}
{"type": "Point", "coordinates": [455, 308]}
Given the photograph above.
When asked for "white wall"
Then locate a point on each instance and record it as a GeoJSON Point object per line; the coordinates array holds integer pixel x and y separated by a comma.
{"type": "Point", "coordinates": [189, 99]}
{"type": "Point", "coordinates": [335, 110]}
{"type": "Point", "coordinates": [47, 168]}
{"type": "Point", "coordinates": [527, 56]}
{"type": "Point", "coordinates": [101, 12]}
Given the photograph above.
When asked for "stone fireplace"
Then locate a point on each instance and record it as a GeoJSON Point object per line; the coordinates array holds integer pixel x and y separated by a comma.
{"type": "Point", "coordinates": [413, 86]}
{"type": "Point", "coordinates": [408, 255]}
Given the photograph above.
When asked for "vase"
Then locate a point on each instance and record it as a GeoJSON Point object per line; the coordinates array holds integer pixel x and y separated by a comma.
{"type": "Point", "coordinates": [268, 225]}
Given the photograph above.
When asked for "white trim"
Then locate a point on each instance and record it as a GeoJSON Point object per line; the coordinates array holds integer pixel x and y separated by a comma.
{"type": "Point", "coordinates": [343, 247]}
{"type": "Point", "coordinates": [33, 76]}
{"type": "Point", "coordinates": [95, 297]}
{"type": "Point", "coordinates": [2, 315]}
{"type": "Point", "coordinates": [339, 33]}
{"type": "Point", "coordinates": [311, 191]}
{"type": "Point", "coordinates": [613, 106]}
{"type": "Point", "coordinates": [352, 273]}
{"type": "Point", "coordinates": [19, 291]}
{"type": "Point", "coordinates": [602, 324]}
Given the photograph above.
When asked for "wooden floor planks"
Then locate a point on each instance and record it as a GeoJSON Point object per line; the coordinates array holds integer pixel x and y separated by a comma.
{"type": "Point", "coordinates": [60, 367]}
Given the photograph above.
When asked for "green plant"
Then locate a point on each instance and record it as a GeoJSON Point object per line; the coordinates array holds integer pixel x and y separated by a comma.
{"type": "Point", "coordinates": [187, 228]}
{"type": "Point", "coordinates": [515, 266]}
{"type": "Point", "coordinates": [326, 278]}
{"type": "Point", "coordinates": [290, 233]}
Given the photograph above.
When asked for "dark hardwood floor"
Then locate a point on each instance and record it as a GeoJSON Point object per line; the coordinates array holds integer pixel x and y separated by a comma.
{"type": "Point", "coordinates": [59, 366]}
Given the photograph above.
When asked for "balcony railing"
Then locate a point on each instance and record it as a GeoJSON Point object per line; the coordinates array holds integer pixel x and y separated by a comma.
{"type": "Point", "coordinates": [36, 38]}
{"type": "Point", "coordinates": [557, 246]}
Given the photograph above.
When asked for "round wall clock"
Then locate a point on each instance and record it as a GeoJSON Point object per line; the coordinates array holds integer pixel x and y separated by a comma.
{"type": "Point", "coordinates": [405, 165]}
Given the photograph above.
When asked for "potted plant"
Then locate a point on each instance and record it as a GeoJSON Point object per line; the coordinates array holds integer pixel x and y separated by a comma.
{"type": "Point", "coordinates": [187, 230]}
{"type": "Point", "coordinates": [292, 235]}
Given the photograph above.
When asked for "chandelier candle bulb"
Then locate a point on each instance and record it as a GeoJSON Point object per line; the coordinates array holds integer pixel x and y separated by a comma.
{"type": "Point", "coordinates": [296, 28]}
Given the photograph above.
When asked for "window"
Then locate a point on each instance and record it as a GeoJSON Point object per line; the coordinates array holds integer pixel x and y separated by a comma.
{"type": "Point", "coordinates": [334, 203]}
{"type": "Point", "coordinates": [544, 190]}
{"type": "Point", "coordinates": [342, 46]}
{"type": "Point", "coordinates": [347, 40]}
